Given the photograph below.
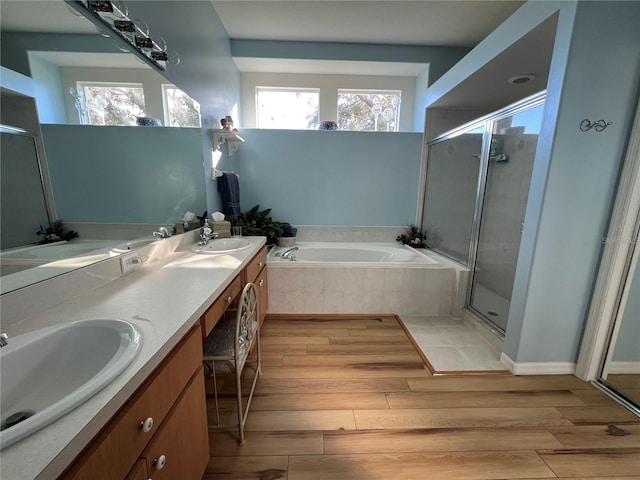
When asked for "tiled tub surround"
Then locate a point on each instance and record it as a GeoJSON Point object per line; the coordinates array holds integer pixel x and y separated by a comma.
{"type": "Point", "coordinates": [411, 288]}
{"type": "Point", "coordinates": [164, 298]}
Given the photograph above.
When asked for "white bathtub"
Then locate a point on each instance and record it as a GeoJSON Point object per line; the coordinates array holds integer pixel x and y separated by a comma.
{"type": "Point", "coordinates": [359, 277]}
{"type": "Point", "coordinates": [359, 253]}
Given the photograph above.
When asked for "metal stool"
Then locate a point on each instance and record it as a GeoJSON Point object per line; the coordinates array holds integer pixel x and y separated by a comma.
{"type": "Point", "coordinates": [226, 349]}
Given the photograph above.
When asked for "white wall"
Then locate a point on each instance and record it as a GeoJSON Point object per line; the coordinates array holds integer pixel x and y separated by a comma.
{"type": "Point", "coordinates": [328, 85]}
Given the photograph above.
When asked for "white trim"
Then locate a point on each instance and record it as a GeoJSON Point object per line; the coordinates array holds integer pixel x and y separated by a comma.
{"type": "Point", "coordinates": [538, 368]}
{"type": "Point", "coordinates": [623, 367]}
{"type": "Point", "coordinates": [615, 258]}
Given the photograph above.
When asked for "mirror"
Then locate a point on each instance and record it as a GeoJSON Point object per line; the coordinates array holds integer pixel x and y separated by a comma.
{"type": "Point", "coordinates": [621, 369]}
{"type": "Point", "coordinates": [110, 184]}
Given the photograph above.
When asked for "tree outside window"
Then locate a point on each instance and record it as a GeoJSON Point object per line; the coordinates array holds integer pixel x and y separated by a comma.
{"type": "Point", "coordinates": [366, 110]}
{"type": "Point", "coordinates": [112, 103]}
{"type": "Point", "coordinates": [287, 108]}
{"type": "Point", "coordinates": [180, 110]}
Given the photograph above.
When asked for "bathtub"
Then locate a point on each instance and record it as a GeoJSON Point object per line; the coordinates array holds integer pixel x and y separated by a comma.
{"type": "Point", "coordinates": [360, 277]}
{"type": "Point", "coordinates": [354, 253]}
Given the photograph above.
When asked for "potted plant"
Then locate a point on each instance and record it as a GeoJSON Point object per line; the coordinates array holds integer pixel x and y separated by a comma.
{"type": "Point", "coordinates": [259, 222]}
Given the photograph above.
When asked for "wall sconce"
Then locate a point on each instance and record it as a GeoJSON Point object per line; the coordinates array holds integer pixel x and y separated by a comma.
{"type": "Point", "coordinates": [111, 19]}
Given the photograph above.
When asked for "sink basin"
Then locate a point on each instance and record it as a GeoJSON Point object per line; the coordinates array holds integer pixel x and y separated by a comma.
{"type": "Point", "coordinates": [47, 373]}
{"type": "Point", "coordinates": [222, 245]}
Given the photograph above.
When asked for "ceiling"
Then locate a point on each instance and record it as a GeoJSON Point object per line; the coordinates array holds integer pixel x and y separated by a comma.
{"type": "Point", "coordinates": [459, 23]}
{"type": "Point", "coordinates": [438, 23]}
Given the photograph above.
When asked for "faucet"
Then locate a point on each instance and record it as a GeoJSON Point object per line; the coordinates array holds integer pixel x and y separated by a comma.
{"type": "Point", "coordinates": [206, 234]}
{"type": "Point", "coordinates": [4, 340]}
{"type": "Point", "coordinates": [163, 232]}
{"type": "Point", "coordinates": [289, 254]}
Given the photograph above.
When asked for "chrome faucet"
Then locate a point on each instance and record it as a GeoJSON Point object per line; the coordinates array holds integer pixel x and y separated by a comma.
{"type": "Point", "coordinates": [289, 254]}
{"type": "Point", "coordinates": [163, 232]}
{"type": "Point", "coordinates": [4, 340]}
{"type": "Point", "coordinates": [207, 234]}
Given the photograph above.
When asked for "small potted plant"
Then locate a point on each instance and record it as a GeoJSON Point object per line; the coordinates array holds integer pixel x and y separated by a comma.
{"type": "Point", "coordinates": [413, 237]}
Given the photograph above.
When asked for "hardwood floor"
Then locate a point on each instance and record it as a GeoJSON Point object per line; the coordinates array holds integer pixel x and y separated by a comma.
{"type": "Point", "coordinates": [349, 398]}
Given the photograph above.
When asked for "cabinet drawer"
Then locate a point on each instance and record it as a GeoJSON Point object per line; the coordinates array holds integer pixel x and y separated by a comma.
{"type": "Point", "coordinates": [255, 265]}
{"type": "Point", "coordinates": [180, 449]}
{"type": "Point", "coordinates": [115, 450]}
{"type": "Point", "coordinates": [211, 316]}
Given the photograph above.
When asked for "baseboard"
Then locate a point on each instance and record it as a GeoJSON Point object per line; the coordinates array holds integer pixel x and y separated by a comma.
{"type": "Point", "coordinates": [623, 367]}
{"type": "Point", "coordinates": [538, 368]}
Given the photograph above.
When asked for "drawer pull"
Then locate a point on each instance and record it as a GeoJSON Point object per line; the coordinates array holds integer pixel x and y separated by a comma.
{"type": "Point", "coordinates": [146, 425]}
{"type": "Point", "coordinates": [229, 299]}
{"type": "Point", "coordinates": [260, 264]}
{"type": "Point", "coordinates": [261, 282]}
{"type": "Point", "coordinates": [160, 461]}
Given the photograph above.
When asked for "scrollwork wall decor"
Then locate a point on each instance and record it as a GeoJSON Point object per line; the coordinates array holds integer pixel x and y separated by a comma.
{"type": "Point", "coordinates": [598, 125]}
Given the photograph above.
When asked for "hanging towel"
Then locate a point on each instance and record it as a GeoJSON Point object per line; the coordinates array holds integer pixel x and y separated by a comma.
{"type": "Point", "coordinates": [229, 193]}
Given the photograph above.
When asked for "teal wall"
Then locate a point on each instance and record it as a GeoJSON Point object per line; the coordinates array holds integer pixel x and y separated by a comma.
{"type": "Point", "coordinates": [125, 174]}
{"type": "Point", "coordinates": [575, 173]}
{"type": "Point", "coordinates": [330, 178]}
{"type": "Point", "coordinates": [49, 91]}
{"type": "Point", "coordinates": [560, 263]}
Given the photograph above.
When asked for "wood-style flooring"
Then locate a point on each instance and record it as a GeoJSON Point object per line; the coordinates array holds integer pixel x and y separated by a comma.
{"type": "Point", "coordinates": [348, 398]}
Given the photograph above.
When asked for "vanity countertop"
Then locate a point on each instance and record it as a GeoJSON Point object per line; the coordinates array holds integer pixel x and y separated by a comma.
{"type": "Point", "coordinates": [164, 299]}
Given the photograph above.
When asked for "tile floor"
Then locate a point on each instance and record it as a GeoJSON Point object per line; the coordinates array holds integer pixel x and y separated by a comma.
{"type": "Point", "coordinates": [450, 345]}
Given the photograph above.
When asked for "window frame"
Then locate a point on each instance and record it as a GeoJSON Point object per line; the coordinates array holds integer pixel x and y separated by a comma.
{"type": "Point", "coordinates": [165, 106]}
{"type": "Point", "coordinates": [82, 84]}
{"type": "Point", "coordinates": [370, 91]}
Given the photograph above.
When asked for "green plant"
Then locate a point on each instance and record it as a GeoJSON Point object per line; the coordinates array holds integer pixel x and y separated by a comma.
{"type": "Point", "coordinates": [259, 222]}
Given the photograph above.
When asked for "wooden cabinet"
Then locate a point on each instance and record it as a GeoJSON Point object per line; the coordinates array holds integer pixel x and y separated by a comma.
{"type": "Point", "coordinates": [180, 450]}
{"type": "Point", "coordinates": [224, 301]}
{"type": "Point", "coordinates": [256, 272]}
{"type": "Point", "coordinates": [115, 451]}
{"type": "Point", "coordinates": [139, 471]}
{"type": "Point", "coordinates": [263, 293]}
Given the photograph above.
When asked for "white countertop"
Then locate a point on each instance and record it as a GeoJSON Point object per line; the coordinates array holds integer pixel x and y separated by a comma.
{"type": "Point", "coordinates": [164, 298]}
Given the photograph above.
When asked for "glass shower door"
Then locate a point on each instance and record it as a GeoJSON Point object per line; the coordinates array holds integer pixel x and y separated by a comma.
{"type": "Point", "coordinates": [512, 150]}
{"type": "Point", "coordinates": [452, 187]}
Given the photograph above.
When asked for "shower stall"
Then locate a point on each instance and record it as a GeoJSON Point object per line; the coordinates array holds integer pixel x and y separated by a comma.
{"type": "Point", "coordinates": [476, 192]}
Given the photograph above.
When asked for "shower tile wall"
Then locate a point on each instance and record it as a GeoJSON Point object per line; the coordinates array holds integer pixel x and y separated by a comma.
{"type": "Point", "coordinates": [338, 289]}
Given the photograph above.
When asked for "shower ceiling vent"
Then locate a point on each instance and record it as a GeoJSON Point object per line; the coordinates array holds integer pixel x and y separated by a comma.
{"type": "Point", "coordinates": [520, 79]}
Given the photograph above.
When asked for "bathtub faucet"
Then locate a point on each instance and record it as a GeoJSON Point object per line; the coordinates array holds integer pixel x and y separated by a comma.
{"type": "Point", "coordinates": [289, 254]}
{"type": "Point", "coordinates": [163, 232]}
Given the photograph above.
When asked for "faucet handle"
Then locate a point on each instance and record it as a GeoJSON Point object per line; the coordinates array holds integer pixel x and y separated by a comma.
{"type": "Point", "coordinates": [4, 339]}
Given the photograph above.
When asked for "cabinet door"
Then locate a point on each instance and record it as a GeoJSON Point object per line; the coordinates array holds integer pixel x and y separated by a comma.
{"type": "Point", "coordinates": [116, 449]}
{"type": "Point", "coordinates": [263, 293]}
{"type": "Point", "coordinates": [180, 448]}
{"type": "Point", "coordinates": [139, 471]}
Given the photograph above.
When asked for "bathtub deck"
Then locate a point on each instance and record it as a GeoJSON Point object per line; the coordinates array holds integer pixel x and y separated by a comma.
{"type": "Point", "coordinates": [347, 398]}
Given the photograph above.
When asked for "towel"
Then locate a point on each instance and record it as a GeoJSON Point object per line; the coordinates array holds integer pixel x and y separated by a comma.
{"type": "Point", "coordinates": [229, 193]}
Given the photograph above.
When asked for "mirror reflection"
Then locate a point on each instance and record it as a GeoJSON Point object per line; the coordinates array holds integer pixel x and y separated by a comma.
{"type": "Point", "coordinates": [621, 370]}
{"type": "Point", "coordinates": [81, 156]}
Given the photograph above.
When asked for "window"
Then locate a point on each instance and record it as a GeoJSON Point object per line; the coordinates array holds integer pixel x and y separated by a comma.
{"type": "Point", "coordinates": [112, 103]}
{"type": "Point", "coordinates": [290, 108]}
{"type": "Point", "coordinates": [368, 110]}
{"type": "Point", "coordinates": [180, 110]}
